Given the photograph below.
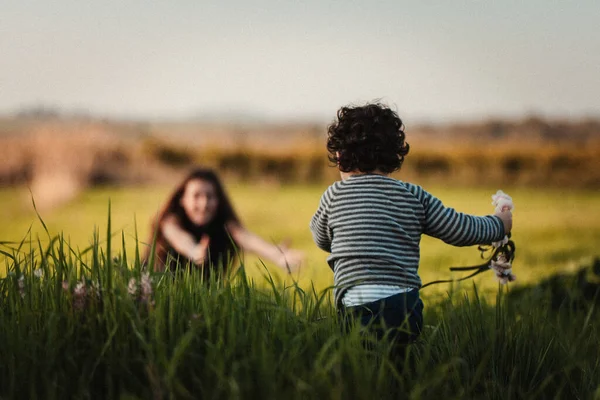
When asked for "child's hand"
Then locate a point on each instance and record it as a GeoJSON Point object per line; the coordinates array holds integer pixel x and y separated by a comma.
{"type": "Point", "coordinates": [504, 206]}
{"type": "Point", "coordinates": [506, 216]}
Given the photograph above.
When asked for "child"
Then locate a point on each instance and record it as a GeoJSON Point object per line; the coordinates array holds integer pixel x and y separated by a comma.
{"type": "Point", "coordinates": [198, 228]}
{"type": "Point", "coordinates": [372, 224]}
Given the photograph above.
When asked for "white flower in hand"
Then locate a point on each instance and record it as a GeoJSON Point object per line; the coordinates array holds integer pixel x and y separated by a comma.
{"type": "Point", "coordinates": [503, 269]}
{"type": "Point", "coordinates": [502, 201]}
{"type": "Point", "coordinates": [501, 242]}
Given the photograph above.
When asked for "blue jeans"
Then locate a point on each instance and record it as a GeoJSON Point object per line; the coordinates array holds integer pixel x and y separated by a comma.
{"type": "Point", "coordinates": [402, 312]}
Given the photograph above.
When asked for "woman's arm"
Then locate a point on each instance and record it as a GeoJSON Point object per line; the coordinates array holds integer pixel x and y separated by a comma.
{"type": "Point", "coordinates": [183, 242]}
{"type": "Point", "coordinates": [288, 259]}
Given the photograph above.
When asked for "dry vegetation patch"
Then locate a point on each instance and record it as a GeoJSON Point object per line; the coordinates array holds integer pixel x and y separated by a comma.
{"type": "Point", "coordinates": [58, 157]}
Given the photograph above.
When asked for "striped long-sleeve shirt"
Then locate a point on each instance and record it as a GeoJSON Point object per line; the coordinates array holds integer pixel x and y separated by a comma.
{"type": "Point", "coordinates": [372, 226]}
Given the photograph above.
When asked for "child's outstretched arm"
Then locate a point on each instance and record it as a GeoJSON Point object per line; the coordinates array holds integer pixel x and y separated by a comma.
{"type": "Point", "coordinates": [319, 224]}
{"type": "Point", "coordinates": [461, 229]}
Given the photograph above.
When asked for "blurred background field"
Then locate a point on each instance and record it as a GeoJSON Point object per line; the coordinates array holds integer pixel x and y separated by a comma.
{"type": "Point", "coordinates": [556, 229]}
{"type": "Point", "coordinates": [275, 173]}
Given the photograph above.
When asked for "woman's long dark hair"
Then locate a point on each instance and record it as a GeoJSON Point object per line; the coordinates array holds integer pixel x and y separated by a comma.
{"type": "Point", "coordinates": [221, 244]}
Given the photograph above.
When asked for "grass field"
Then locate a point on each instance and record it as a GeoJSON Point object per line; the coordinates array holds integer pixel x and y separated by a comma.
{"type": "Point", "coordinates": [270, 339]}
{"type": "Point", "coordinates": [554, 230]}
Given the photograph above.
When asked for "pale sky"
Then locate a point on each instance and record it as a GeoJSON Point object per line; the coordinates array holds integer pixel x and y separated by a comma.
{"type": "Point", "coordinates": [433, 61]}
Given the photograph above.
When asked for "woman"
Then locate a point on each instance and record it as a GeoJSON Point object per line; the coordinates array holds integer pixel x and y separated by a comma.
{"type": "Point", "coordinates": [198, 228]}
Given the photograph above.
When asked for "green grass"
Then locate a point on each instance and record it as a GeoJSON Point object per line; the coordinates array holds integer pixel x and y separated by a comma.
{"type": "Point", "coordinates": [257, 336]}
{"type": "Point", "coordinates": [231, 339]}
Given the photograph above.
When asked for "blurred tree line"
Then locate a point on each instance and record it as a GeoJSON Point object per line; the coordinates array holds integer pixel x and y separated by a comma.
{"type": "Point", "coordinates": [88, 152]}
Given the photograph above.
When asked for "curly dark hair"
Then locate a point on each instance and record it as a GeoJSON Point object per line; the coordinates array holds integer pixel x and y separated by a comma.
{"type": "Point", "coordinates": [367, 138]}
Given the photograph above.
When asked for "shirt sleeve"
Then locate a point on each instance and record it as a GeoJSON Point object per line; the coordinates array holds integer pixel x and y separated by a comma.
{"type": "Point", "coordinates": [457, 228]}
{"type": "Point", "coordinates": [319, 224]}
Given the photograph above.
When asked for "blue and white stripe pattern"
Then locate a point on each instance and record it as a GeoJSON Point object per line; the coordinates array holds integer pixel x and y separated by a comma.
{"type": "Point", "coordinates": [372, 226]}
{"type": "Point", "coordinates": [366, 293]}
